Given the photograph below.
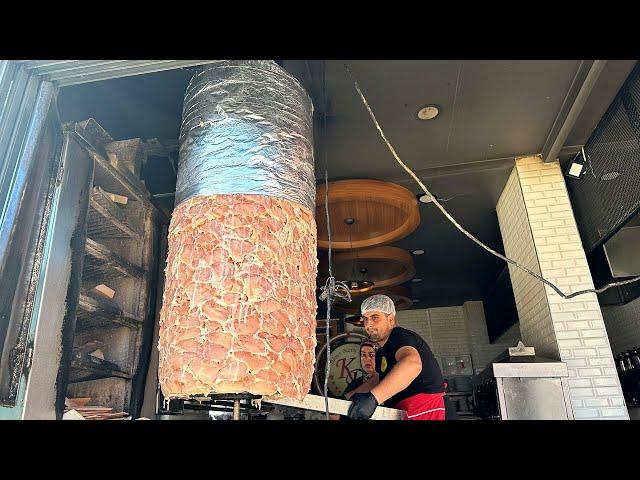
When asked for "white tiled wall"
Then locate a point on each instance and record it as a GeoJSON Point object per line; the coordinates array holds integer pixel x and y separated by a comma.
{"type": "Point", "coordinates": [623, 325]}
{"type": "Point", "coordinates": [444, 329]}
{"type": "Point", "coordinates": [454, 331]}
{"type": "Point", "coordinates": [482, 352]}
{"type": "Point", "coordinates": [539, 230]}
{"type": "Point", "coordinates": [418, 321]}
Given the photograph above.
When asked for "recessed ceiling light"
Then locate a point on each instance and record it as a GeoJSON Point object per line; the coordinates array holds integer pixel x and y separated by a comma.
{"type": "Point", "coordinates": [428, 112]}
{"type": "Point", "coordinates": [358, 286]}
{"type": "Point", "coordinates": [418, 251]}
{"type": "Point", "coordinates": [416, 280]}
{"type": "Point", "coordinates": [424, 198]}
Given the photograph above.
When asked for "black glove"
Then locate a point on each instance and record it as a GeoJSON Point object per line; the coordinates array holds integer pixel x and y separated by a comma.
{"type": "Point", "coordinates": [362, 406]}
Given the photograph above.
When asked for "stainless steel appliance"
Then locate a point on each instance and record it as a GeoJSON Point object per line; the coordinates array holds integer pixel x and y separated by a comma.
{"type": "Point", "coordinates": [518, 385]}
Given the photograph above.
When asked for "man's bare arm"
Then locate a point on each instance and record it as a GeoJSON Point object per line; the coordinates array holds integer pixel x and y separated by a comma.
{"type": "Point", "coordinates": [365, 387]}
{"type": "Point", "coordinates": [400, 376]}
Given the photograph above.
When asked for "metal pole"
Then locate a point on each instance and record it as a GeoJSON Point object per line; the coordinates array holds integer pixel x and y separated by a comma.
{"type": "Point", "coordinates": [574, 101]}
{"type": "Point", "coordinates": [236, 409]}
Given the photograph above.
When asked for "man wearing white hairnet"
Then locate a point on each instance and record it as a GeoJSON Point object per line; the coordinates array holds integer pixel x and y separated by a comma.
{"type": "Point", "coordinates": [409, 377]}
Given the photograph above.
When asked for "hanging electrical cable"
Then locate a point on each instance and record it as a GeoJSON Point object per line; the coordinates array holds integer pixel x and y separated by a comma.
{"type": "Point", "coordinates": [459, 227]}
{"type": "Point", "coordinates": [331, 288]}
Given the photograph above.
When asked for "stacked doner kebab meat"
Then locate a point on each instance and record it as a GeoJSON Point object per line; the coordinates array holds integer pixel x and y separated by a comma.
{"type": "Point", "coordinates": [239, 305]}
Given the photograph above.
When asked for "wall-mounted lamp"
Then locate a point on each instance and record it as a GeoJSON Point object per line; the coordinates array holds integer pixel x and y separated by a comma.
{"type": "Point", "coordinates": [576, 167]}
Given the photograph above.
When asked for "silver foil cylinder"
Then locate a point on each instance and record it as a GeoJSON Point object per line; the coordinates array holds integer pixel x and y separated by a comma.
{"type": "Point", "coordinates": [239, 303]}
{"type": "Point", "coordinates": [247, 128]}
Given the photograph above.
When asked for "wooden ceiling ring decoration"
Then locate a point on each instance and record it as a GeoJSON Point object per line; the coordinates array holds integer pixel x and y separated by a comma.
{"type": "Point", "coordinates": [401, 297]}
{"type": "Point", "coordinates": [384, 213]}
{"type": "Point", "coordinates": [386, 266]}
{"type": "Point", "coordinates": [356, 321]}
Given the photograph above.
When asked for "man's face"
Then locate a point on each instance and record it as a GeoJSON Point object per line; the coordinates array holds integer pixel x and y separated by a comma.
{"type": "Point", "coordinates": [378, 325]}
{"type": "Point", "coordinates": [368, 359]}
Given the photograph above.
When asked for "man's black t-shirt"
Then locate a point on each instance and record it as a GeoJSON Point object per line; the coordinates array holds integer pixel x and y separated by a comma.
{"type": "Point", "coordinates": [430, 378]}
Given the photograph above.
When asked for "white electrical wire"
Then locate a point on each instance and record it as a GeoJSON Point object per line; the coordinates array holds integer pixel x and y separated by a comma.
{"type": "Point", "coordinates": [331, 288]}
{"type": "Point", "coordinates": [465, 232]}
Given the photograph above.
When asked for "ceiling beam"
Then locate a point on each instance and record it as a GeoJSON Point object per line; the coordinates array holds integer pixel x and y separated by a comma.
{"type": "Point", "coordinates": [579, 91]}
{"type": "Point", "coordinates": [457, 169]}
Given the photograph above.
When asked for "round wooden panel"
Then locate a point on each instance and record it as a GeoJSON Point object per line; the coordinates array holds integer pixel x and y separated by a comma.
{"type": "Point", "coordinates": [355, 320]}
{"type": "Point", "coordinates": [384, 212]}
{"type": "Point", "coordinates": [386, 266]}
{"type": "Point", "coordinates": [401, 297]}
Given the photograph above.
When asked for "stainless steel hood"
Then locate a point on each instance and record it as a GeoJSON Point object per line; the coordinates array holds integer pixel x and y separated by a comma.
{"type": "Point", "coordinates": [529, 366]}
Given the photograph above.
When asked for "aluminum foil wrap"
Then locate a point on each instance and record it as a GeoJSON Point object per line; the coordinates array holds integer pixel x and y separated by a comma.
{"type": "Point", "coordinates": [239, 306]}
{"type": "Point", "coordinates": [247, 128]}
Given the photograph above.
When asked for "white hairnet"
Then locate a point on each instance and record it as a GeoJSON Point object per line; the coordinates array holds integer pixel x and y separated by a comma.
{"type": "Point", "coordinates": [381, 303]}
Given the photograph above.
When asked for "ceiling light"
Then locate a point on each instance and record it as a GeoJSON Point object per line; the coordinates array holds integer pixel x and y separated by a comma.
{"type": "Point", "coordinates": [428, 112]}
{"type": "Point", "coordinates": [416, 280]}
{"type": "Point", "coordinates": [418, 251]}
{"type": "Point", "coordinates": [359, 286]}
{"type": "Point", "coordinates": [424, 198]}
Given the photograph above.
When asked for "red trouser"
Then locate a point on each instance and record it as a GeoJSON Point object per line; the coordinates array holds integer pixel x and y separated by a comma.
{"type": "Point", "coordinates": [423, 406]}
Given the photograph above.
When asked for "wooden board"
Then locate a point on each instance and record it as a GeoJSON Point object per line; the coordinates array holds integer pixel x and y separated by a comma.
{"type": "Point", "coordinates": [93, 413]}
{"type": "Point", "coordinates": [72, 415]}
{"type": "Point", "coordinates": [76, 402]}
{"type": "Point", "coordinates": [93, 409]}
{"type": "Point", "coordinates": [130, 153]}
{"type": "Point", "coordinates": [104, 290]}
{"type": "Point", "coordinates": [88, 408]}
{"type": "Point", "coordinates": [107, 416]}
{"type": "Point", "coordinates": [115, 198]}
{"type": "Point", "coordinates": [336, 406]}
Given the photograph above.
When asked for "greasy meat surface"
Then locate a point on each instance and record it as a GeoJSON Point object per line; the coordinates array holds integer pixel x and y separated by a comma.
{"type": "Point", "coordinates": [239, 305]}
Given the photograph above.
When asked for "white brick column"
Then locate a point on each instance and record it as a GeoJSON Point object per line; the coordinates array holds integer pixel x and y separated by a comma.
{"type": "Point", "coordinates": [539, 231]}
